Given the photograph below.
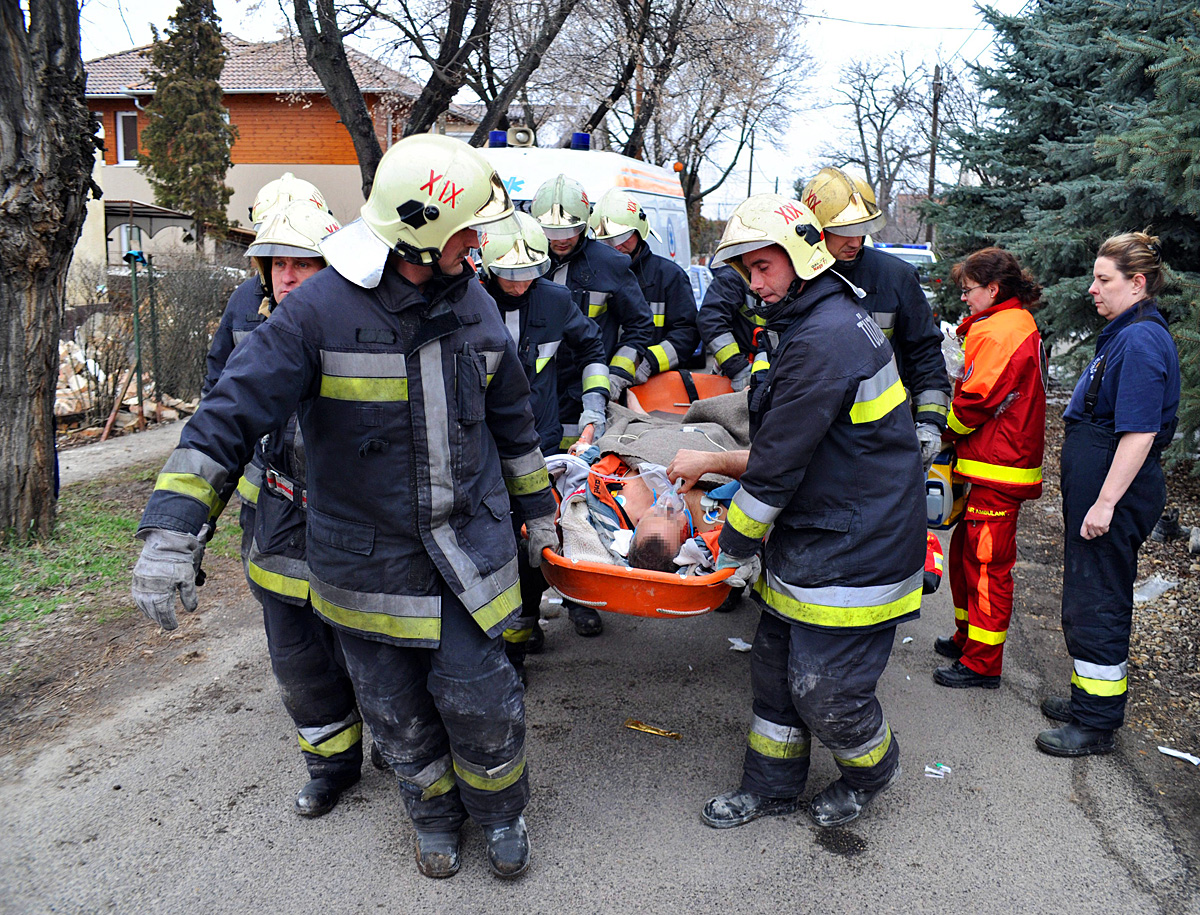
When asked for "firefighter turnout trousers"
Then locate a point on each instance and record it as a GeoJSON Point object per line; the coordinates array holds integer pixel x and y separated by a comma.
{"type": "Point", "coordinates": [1098, 575]}
{"type": "Point", "coordinates": [449, 720]}
{"type": "Point", "coordinates": [810, 683]}
{"type": "Point", "coordinates": [983, 549]}
{"type": "Point", "coordinates": [316, 691]}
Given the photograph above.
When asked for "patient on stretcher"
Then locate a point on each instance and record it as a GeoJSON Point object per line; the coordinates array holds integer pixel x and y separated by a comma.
{"type": "Point", "coordinates": [614, 513]}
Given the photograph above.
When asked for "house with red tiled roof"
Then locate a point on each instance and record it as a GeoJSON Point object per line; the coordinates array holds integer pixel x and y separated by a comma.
{"type": "Point", "coordinates": [284, 121]}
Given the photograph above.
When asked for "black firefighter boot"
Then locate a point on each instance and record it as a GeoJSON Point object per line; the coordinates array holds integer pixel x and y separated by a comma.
{"type": "Point", "coordinates": [507, 848]}
{"type": "Point", "coordinates": [1076, 740]}
{"type": "Point", "coordinates": [321, 795]}
{"type": "Point", "coordinates": [733, 808]}
{"type": "Point", "coordinates": [437, 853]}
{"type": "Point", "coordinates": [839, 803]}
{"type": "Point", "coordinates": [586, 621]}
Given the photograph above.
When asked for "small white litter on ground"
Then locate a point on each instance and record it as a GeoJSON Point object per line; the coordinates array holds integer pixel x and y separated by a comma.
{"type": "Point", "coordinates": [1179, 754]}
{"type": "Point", "coordinates": [736, 644]}
{"type": "Point", "coordinates": [1152, 588]}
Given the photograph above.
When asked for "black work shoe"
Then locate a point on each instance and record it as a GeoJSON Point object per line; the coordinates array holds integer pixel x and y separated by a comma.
{"type": "Point", "coordinates": [1167, 528]}
{"type": "Point", "coordinates": [732, 599]}
{"type": "Point", "coordinates": [1058, 708]}
{"type": "Point", "coordinates": [321, 795]}
{"type": "Point", "coordinates": [507, 848]}
{"type": "Point", "coordinates": [437, 853]}
{"type": "Point", "coordinates": [733, 808]}
{"type": "Point", "coordinates": [377, 759]}
{"type": "Point", "coordinates": [959, 676]}
{"type": "Point", "coordinates": [1076, 740]}
{"type": "Point", "coordinates": [586, 621]}
{"type": "Point", "coordinates": [947, 648]}
{"type": "Point", "coordinates": [839, 803]}
{"type": "Point", "coordinates": [537, 640]}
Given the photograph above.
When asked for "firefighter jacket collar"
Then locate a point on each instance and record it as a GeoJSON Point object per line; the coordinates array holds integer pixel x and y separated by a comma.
{"type": "Point", "coordinates": [396, 293]}
{"type": "Point", "coordinates": [801, 302]}
{"type": "Point", "coordinates": [986, 313]}
{"type": "Point", "coordinates": [504, 300]}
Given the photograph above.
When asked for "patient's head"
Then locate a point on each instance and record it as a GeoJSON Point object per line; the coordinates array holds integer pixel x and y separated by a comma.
{"type": "Point", "coordinates": [656, 542]}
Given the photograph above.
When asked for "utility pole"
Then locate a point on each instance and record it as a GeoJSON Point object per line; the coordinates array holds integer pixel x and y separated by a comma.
{"type": "Point", "coordinates": [933, 140]}
{"type": "Point", "coordinates": [750, 173]}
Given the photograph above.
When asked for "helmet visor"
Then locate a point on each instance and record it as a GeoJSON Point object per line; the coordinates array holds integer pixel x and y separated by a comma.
{"type": "Point", "coordinates": [562, 233]}
{"type": "Point", "coordinates": [859, 228]}
{"type": "Point", "coordinates": [526, 272]}
{"type": "Point", "coordinates": [498, 205]}
{"type": "Point", "coordinates": [731, 254]}
{"type": "Point", "coordinates": [613, 240]}
{"type": "Point", "coordinates": [271, 250]}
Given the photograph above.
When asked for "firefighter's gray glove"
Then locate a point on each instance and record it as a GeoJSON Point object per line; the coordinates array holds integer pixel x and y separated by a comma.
{"type": "Point", "coordinates": [617, 383]}
{"type": "Point", "coordinates": [930, 437]}
{"type": "Point", "coordinates": [595, 407]}
{"type": "Point", "coordinates": [741, 380]}
{"type": "Point", "coordinates": [542, 533]}
{"type": "Point", "coordinates": [166, 567]}
{"type": "Point", "coordinates": [643, 372]}
{"type": "Point", "coordinates": [746, 570]}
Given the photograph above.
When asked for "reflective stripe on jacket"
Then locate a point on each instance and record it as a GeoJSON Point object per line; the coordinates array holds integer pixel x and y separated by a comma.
{"type": "Point", "coordinates": [998, 417]}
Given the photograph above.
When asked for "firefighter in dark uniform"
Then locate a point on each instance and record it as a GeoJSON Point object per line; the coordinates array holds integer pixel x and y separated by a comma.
{"type": "Point", "coordinates": [418, 437]}
{"type": "Point", "coordinates": [604, 288]}
{"type": "Point", "coordinates": [620, 222]}
{"type": "Point", "coordinates": [834, 472]}
{"type": "Point", "coordinates": [728, 319]}
{"type": "Point", "coordinates": [541, 317]}
{"type": "Point", "coordinates": [245, 311]}
{"type": "Point", "coordinates": [845, 206]}
{"type": "Point", "coordinates": [1120, 418]}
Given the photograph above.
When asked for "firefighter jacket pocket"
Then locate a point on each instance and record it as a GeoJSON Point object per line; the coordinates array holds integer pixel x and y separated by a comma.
{"type": "Point", "coordinates": [350, 536]}
{"type": "Point", "coordinates": [838, 520]}
{"type": "Point", "coordinates": [497, 503]}
{"type": "Point", "coordinates": [470, 378]}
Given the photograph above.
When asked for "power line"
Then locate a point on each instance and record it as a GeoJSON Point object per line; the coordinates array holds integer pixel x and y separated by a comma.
{"type": "Point", "coordinates": [894, 25]}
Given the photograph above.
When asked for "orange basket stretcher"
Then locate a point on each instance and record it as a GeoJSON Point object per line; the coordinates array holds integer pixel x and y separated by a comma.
{"type": "Point", "coordinates": [674, 392]}
{"type": "Point", "coordinates": [634, 592]}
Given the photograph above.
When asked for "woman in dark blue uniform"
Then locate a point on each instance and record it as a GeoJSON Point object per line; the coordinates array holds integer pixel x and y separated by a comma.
{"type": "Point", "coordinates": [1120, 418]}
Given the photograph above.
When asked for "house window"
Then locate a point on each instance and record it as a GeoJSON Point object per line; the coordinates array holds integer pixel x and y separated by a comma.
{"type": "Point", "coordinates": [127, 148]}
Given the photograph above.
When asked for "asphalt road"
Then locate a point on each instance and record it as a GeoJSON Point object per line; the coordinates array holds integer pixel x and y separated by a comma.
{"type": "Point", "coordinates": [179, 801]}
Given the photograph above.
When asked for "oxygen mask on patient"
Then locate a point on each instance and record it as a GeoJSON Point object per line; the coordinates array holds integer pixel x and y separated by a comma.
{"type": "Point", "coordinates": [662, 529]}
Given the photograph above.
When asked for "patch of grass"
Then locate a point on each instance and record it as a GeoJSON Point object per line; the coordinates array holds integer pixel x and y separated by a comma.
{"type": "Point", "coordinates": [85, 567]}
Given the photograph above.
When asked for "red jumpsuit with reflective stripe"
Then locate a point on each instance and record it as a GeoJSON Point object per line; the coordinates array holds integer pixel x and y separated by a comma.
{"type": "Point", "coordinates": [998, 424]}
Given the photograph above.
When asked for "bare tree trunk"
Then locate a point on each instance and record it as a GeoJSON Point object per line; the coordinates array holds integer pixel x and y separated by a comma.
{"type": "Point", "coordinates": [46, 156]}
{"type": "Point", "coordinates": [529, 63]}
{"type": "Point", "coordinates": [326, 54]}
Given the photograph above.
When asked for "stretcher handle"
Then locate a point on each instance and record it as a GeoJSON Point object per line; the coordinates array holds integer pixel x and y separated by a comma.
{"type": "Point", "coordinates": [586, 603]}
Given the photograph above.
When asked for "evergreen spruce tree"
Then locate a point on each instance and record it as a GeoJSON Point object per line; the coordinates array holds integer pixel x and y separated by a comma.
{"type": "Point", "coordinates": [185, 145]}
{"type": "Point", "coordinates": [1164, 147]}
{"type": "Point", "coordinates": [1057, 85]}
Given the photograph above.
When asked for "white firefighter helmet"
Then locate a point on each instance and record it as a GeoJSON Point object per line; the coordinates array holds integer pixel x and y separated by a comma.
{"type": "Point", "coordinates": [844, 204]}
{"type": "Point", "coordinates": [293, 230]}
{"type": "Point", "coordinates": [561, 207]}
{"type": "Point", "coordinates": [770, 219]}
{"type": "Point", "coordinates": [516, 250]}
{"type": "Point", "coordinates": [617, 215]}
{"type": "Point", "coordinates": [427, 189]}
{"type": "Point", "coordinates": [282, 190]}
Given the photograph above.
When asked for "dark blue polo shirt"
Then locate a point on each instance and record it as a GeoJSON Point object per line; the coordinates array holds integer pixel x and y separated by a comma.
{"type": "Point", "coordinates": [1139, 391]}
